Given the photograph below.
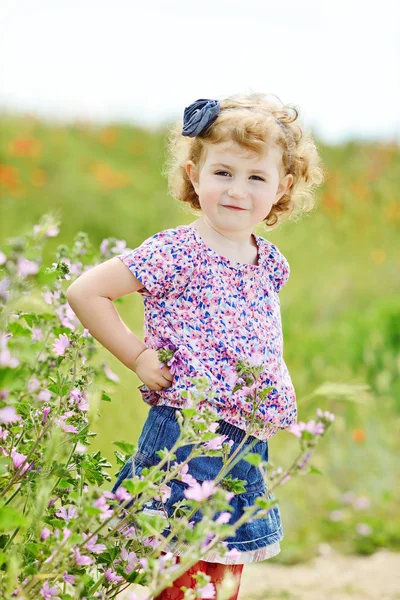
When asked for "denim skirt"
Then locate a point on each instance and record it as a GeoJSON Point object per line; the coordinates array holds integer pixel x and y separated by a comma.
{"type": "Point", "coordinates": [161, 430]}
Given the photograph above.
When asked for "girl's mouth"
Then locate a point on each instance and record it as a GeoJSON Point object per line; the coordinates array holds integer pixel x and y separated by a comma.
{"type": "Point", "coordinates": [233, 207]}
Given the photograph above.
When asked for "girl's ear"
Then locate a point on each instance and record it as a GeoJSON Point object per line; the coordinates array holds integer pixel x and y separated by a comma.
{"type": "Point", "coordinates": [284, 186]}
{"type": "Point", "coordinates": [191, 171]}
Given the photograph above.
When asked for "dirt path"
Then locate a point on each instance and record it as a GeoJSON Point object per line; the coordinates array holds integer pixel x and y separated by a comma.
{"type": "Point", "coordinates": [332, 576]}
{"type": "Point", "coordinates": [329, 577]}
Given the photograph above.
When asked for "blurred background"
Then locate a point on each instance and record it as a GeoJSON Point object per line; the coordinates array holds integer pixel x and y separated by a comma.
{"type": "Point", "coordinates": [87, 92]}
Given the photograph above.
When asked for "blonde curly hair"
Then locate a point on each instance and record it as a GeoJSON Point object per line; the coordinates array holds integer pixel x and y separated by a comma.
{"type": "Point", "coordinates": [253, 130]}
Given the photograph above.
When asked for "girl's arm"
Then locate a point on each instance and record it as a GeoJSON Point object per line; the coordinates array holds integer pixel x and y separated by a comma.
{"type": "Point", "coordinates": [91, 298]}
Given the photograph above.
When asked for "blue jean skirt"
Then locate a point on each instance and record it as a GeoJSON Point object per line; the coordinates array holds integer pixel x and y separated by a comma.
{"type": "Point", "coordinates": [161, 430]}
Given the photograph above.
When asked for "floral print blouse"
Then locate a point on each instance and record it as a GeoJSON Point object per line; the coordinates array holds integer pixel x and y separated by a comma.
{"type": "Point", "coordinates": [215, 311]}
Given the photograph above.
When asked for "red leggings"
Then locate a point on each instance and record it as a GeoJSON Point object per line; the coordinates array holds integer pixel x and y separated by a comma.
{"type": "Point", "coordinates": [216, 571]}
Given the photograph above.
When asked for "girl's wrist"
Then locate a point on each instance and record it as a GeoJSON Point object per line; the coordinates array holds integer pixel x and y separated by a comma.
{"type": "Point", "coordinates": [135, 361]}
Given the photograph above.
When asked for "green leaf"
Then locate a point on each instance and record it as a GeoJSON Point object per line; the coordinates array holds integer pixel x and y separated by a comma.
{"type": "Point", "coordinates": [105, 397]}
{"type": "Point", "coordinates": [126, 447]}
{"type": "Point", "coordinates": [315, 470]}
{"type": "Point", "coordinates": [31, 319]}
{"type": "Point", "coordinates": [65, 484]}
{"type": "Point", "coordinates": [3, 558]}
{"type": "Point", "coordinates": [134, 487]}
{"type": "Point", "coordinates": [253, 459]}
{"type": "Point", "coordinates": [10, 519]}
{"type": "Point", "coordinates": [17, 329]}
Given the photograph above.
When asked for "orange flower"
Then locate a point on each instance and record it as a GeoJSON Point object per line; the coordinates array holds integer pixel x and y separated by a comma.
{"type": "Point", "coordinates": [358, 435]}
{"type": "Point", "coordinates": [330, 202]}
{"type": "Point", "coordinates": [108, 136]}
{"type": "Point", "coordinates": [9, 176]}
{"type": "Point", "coordinates": [25, 147]}
{"type": "Point", "coordinates": [109, 177]}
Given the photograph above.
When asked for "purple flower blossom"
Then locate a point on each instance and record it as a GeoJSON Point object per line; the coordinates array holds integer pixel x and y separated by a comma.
{"type": "Point", "coordinates": [65, 427]}
{"type": "Point", "coordinates": [8, 414]}
{"type": "Point", "coordinates": [224, 517]}
{"type": "Point", "coordinates": [6, 360]}
{"type": "Point", "coordinates": [110, 374]}
{"type": "Point", "coordinates": [44, 395]}
{"type": "Point", "coordinates": [27, 267]}
{"type": "Point", "coordinates": [81, 559]}
{"type": "Point", "coordinates": [45, 534]}
{"type": "Point", "coordinates": [68, 578]}
{"type": "Point", "coordinates": [3, 433]}
{"type": "Point", "coordinates": [61, 344]}
{"type": "Point", "coordinates": [216, 443]}
{"type": "Point", "coordinates": [208, 591]}
{"type": "Point", "coordinates": [122, 494]}
{"type": "Point", "coordinates": [186, 477]}
{"type": "Point", "coordinates": [18, 460]}
{"type": "Point", "coordinates": [111, 576]}
{"type": "Point", "coordinates": [37, 334]}
{"type": "Point", "coordinates": [92, 546]}
{"type": "Point", "coordinates": [4, 393]}
{"type": "Point", "coordinates": [67, 316]}
{"type": "Point", "coordinates": [67, 513]}
{"type": "Point", "coordinates": [49, 592]}
{"type": "Point", "coordinates": [200, 492]}
{"type": "Point", "coordinates": [33, 384]}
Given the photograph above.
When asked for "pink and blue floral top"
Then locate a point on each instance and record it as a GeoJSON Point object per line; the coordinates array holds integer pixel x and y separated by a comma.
{"type": "Point", "coordinates": [215, 311]}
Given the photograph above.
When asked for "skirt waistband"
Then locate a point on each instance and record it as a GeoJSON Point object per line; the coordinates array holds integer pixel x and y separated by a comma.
{"type": "Point", "coordinates": [234, 433]}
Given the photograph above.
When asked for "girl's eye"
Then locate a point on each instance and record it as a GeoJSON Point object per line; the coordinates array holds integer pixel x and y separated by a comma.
{"type": "Point", "coordinates": [221, 172]}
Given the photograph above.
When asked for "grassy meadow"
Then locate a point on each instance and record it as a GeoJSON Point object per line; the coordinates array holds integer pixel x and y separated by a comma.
{"type": "Point", "coordinates": [340, 308]}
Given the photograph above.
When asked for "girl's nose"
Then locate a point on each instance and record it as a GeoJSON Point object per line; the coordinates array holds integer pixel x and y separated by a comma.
{"type": "Point", "coordinates": [237, 191]}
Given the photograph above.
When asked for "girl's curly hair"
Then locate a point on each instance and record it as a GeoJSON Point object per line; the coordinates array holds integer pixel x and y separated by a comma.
{"type": "Point", "coordinates": [253, 130]}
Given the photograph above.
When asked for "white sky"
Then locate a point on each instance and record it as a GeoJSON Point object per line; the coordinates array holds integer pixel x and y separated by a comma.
{"type": "Point", "coordinates": [336, 60]}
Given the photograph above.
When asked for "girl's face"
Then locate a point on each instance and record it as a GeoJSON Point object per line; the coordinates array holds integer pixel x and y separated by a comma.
{"type": "Point", "coordinates": [231, 177]}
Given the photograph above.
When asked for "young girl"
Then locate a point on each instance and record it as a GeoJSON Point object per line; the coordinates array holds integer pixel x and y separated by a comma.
{"type": "Point", "coordinates": [211, 289]}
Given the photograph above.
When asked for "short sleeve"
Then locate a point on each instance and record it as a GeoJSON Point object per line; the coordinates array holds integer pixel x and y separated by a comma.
{"type": "Point", "coordinates": [161, 262]}
{"type": "Point", "coordinates": [278, 268]}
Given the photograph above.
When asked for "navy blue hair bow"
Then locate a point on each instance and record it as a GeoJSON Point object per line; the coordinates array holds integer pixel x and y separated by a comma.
{"type": "Point", "coordinates": [199, 115]}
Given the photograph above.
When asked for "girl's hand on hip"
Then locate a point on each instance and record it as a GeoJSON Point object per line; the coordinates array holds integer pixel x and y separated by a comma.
{"type": "Point", "coordinates": [147, 368]}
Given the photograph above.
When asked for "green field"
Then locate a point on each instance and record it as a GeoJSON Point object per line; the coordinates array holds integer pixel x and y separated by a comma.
{"type": "Point", "coordinates": [340, 309]}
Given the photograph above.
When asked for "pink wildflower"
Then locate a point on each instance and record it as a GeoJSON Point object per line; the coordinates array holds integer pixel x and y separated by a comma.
{"type": "Point", "coordinates": [27, 267]}
{"type": "Point", "coordinates": [67, 513]}
{"type": "Point", "coordinates": [200, 492]}
{"type": "Point", "coordinates": [224, 517]}
{"type": "Point", "coordinates": [111, 576]}
{"type": "Point", "coordinates": [49, 592]}
{"type": "Point", "coordinates": [18, 460]}
{"type": "Point", "coordinates": [110, 374]}
{"type": "Point", "coordinates": [81, 559]}
{"type": "Point", "coordinates": [216, 443]}
{"type": "Point", "coordinates": [37, 334]}
{"type": "Point", "coordinates": [44, 395]}
{"type": "Point", "coordinates": [33, 384]}
{"type": "Point", "coordinates": [61, 344]}
{"type": "Point", "coordinates": [8, 414]}
{"type": "Point", "coordinates": [68, 578]}
{"type": "Point", "coordinates": [3, 433]}
{"type": "Point", "coordinates": [186, 477]}
{"type": "Point", "coordinates": [45, 534]}
{"type": "Point", "coordinates": [92, 546]}
{"type": "Point", "coordinates": [208, 591]}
